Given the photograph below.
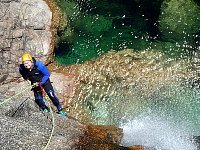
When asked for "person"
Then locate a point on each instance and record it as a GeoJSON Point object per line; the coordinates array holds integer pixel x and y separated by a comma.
{"type": "Point", "coordinates": [37, 73]}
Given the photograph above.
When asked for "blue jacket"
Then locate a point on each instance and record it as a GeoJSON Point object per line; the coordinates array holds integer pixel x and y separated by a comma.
{"type": "Point", "coordinates": [39, 72]}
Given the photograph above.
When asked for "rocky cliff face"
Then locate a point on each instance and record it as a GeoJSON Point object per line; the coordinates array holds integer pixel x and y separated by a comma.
{"type": "Point", "coordinates": [24, 27]}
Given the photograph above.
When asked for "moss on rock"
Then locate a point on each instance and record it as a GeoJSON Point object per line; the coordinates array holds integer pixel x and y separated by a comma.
{"type": "Point", "coordinates": [179, 19]}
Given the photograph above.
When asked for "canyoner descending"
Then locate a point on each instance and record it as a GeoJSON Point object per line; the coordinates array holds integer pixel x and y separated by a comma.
{"type": "Point", "coordinates": [37, 73]}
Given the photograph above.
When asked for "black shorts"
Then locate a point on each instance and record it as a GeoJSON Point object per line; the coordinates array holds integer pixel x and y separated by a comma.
{"type": "Point", "coordinates": [48, 86]}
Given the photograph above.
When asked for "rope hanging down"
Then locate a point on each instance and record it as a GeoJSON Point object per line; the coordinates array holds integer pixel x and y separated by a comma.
{"type": "Point", "coordinates": [53, 126]}
{"type": "Point", "coordinates": [53, 119]}
{"type": "Point", "coordinates": [53, 122]}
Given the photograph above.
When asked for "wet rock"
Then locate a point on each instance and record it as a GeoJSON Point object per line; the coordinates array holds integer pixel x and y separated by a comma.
{"type": "Point", "coordinates": [178, 19]}
{"type": "Point", "coordinates": [110, 134]}
{"type": "Point", "coordinates": [24, 126]}
{"type": "Point", "coordinates": [137, 147]}
{"type": "Point", "coordinates": [102, 137]}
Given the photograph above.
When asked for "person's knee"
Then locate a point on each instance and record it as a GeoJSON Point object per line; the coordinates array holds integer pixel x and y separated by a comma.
{"type": "Point", "coordinates": [50, 93]}
{"type": "Point", "coordinates": [52, 96]}
{"type": "Point", "coordinates": [39, 102]}
{"type": "Point", "coordinates": [38, 97]}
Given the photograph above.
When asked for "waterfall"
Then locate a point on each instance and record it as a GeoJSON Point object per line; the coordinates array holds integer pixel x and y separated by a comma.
{"type": "Point", "coordinates": [157, 133]}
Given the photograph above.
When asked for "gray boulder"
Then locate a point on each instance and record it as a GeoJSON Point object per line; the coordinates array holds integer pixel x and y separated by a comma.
{"type": "Point", "coordinates": [24, 27]}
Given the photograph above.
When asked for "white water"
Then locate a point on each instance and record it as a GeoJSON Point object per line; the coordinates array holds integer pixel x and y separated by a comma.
{"type": "Point", "coordinates": [156, 133]}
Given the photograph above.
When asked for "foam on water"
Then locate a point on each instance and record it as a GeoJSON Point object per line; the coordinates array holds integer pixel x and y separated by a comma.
{"type": "Point", "coordinates": [156, 133]}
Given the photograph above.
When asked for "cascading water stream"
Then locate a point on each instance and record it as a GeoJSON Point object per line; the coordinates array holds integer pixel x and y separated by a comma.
{"type": "Point", "coordinates": [155, 107]}
{"type": "Point", "coordinates": [166, 125]}
{"type": "Point", "coordinates": [166, 120]}
{"type": "Point", "coordinates": [157, 111]}
{"type": "Point", "coordinates": [157, 133]}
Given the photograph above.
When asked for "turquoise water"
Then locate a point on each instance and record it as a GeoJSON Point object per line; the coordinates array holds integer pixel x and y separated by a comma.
{"type": "Point", "coordinates": [94, 28]}
{"type": "Point", "coordinates": [165, 118]}
{"type": "Point", "coordinates": [94, 33]}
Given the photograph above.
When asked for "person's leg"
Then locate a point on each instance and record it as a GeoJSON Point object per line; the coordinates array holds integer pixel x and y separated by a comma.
{"type": "Point", "coordinates": [56, 102]}
{"type": "Point", "coordinates": [39, 100]}
{"type": "Point", "coordinates": [50, 92]}
{"type": "Point", "coordinates": [54, 99]}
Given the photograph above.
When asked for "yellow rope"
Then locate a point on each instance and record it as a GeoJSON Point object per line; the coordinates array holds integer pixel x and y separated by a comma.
{"type": "Point", "coordinates": [53, 119]}
{"type": "Point", "coordinates": [8, 99]}
{"type": "Point", "coordinates": [53, 126]}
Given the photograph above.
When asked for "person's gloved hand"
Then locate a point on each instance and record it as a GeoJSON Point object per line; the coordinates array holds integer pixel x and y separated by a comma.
{"type": "Point", "coordinates": [36, 84]}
